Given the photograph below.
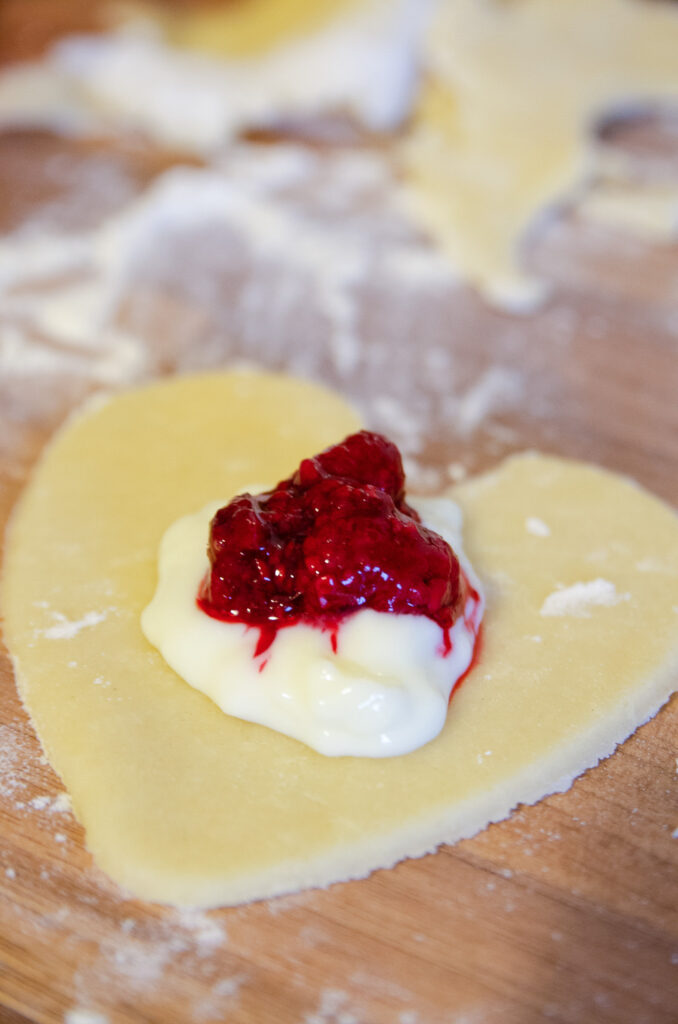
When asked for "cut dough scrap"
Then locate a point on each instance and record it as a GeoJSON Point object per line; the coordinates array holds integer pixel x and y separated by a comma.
{"type": "Point", "coordinates": [242, 30]}
{"type": "Point", "coordinates": [345, 56]}
{"type": "Point", "coordinates": [184, 804]}
{"type": "Point", "coordinates": [503, 126]}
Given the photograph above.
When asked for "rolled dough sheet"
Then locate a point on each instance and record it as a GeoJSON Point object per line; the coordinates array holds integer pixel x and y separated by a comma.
{"type": "Point", "coordinates": [504, 125]}
{"type": "Point", "coordinates": [184, 804]}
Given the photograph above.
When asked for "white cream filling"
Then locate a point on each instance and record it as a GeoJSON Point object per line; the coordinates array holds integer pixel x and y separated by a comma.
{"type": "Point", "coordinates": [384, 692]}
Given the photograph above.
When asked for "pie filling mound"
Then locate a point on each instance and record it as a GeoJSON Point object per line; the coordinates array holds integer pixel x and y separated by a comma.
{"type": "Point", "coordinates": [335, 537]}
{"type": "Point", "coordinates": [328, 609]}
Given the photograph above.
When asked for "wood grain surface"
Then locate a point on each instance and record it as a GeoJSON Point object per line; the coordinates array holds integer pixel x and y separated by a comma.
{"type": "Point", "coordinates": [568, 911]}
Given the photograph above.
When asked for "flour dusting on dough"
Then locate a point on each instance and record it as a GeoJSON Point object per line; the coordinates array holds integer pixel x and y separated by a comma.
{"type": "Point", "coordinates": [66, 630]}
{"type": "Point", "coordinates": [578, 599]}
{"type": "Point", "coordinates": [537, 527]}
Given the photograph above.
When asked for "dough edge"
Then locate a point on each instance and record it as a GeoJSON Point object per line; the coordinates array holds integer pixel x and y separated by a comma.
{"type": "Point", "coordinates": [418, 839]}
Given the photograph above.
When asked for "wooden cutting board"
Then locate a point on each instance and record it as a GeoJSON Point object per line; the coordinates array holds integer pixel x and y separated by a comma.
{"type": "Point", "coordinates": [566, 912]}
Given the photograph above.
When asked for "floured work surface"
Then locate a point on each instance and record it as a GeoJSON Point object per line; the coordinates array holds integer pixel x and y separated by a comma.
{"type": "Point", "coordinates": [569, 908]}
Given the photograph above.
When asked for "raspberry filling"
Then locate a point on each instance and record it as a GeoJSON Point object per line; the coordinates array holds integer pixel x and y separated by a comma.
{"type": "Point", "coordinates": [335, 537]}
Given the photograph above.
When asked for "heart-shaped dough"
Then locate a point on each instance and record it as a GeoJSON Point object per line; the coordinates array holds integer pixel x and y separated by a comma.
{"type": "Point", "coordinates": [184, 804]}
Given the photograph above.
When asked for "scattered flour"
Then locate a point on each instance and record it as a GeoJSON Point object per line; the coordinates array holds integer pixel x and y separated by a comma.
{"type": "Point", "coordinates": [537, 527]}
{"type": "Point", "coordinates": [288, 240]}
{"type": "Point", "coordinates": [655, 565]}
{"type": "Point", "coordinates": [14, 767]}
{"type": "Point", "coordinates": [457, 471]}
{"type": "Point", "coordinates": [40, 803]}
{"type": "Point", "coordinates": [140, 964]}
{"type": "Point", "coordinates": [78, 1016]}
{"type": "Point", "coordinates": [363, 61]}
{"type": "Point", "coordinates": [332, 1009]}
{"type": "Point", "coordinates": [220, 999]}
{"type": "Point", "coordinates": [422, 479]}
{"type": "Point", "coordinates": [497, 388]}
{"type": "Point", "coordinates": [228, 986]}
{"type": "Point", "coordinates": [139, 961]}
{"type": "Point", "coordinates": [61, 804]}
{"type": "Point", "coordinates": [141, 953]}
{"type": "Point", "coordinates": [578, 599]}
{"type": "Point", "coordinates": [206, 933]}
{"type": "Point", "coordinates": [66, 630]}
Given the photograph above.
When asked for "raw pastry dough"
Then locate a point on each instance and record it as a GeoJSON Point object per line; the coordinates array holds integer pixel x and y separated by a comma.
{"type": "Point", "coordinates": [184, 804]}
{"type": "Point", "coordinates": [244, 29]}
{"type": "Point", "coordinates": [502, 129]}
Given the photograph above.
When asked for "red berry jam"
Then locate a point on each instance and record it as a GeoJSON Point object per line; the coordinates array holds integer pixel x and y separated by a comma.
{"type": "Point", "coordinates": [336, 537]}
